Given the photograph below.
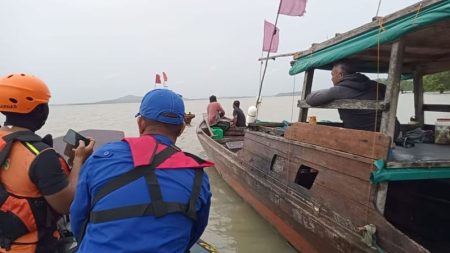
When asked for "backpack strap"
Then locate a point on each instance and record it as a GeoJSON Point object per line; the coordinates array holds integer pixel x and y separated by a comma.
{"type": "Point", "coordinates": [157, 207]}
{"type": "Point", "coordinates": [24, 136]}
{"type": "Point", "coordinates": [132, 175]}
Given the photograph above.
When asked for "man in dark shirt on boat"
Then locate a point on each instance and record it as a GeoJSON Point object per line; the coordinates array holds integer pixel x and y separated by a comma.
{"type": "Point", "coordinates": [238, 115]}
{"type": "Point", "coordinates": [351, 85]}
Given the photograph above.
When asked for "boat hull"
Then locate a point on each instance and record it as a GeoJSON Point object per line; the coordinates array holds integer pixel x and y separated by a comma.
{"type": "Point", "coordinates": [299, 215]}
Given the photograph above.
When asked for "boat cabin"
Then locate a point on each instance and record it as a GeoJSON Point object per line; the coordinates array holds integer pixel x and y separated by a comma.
{"type": "Point", "coordinates": [412, 183]}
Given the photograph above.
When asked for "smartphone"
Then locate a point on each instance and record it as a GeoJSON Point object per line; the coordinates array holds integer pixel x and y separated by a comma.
{"type": "Point", "coordinates": [72, 138]}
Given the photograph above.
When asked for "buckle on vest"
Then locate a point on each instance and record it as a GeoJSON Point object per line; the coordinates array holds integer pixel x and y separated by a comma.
{"type": "Point", "coordinates": [158, 208]}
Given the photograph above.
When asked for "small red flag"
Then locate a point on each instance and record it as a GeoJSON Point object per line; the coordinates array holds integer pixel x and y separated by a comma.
{"type": "Point", "coordinates": [158, 79]}
{"type": "Point", "coordinates": [164, 77]}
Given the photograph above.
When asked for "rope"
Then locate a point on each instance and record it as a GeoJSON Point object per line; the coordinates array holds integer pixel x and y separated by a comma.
{"type": "Point", "coordinates": [419, 8]}
{"type": "Point", "coordinates": [380, 30]}
{"type": "Point", "coordinates": [381, 25]}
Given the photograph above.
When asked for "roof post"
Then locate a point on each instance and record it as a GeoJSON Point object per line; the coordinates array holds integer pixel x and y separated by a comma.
{"type": "Point", "coordinates": [388, 118]}
{"type": "Point", "coordinates": [393, 87]}
{"type": "Point", "coordinates": [307, 84]}
{"type": "Point", "coordinates": [418, 96]}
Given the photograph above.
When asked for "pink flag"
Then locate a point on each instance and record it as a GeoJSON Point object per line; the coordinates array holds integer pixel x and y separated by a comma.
{"type": "Point", "coordinates": [158, 79]}
{"type": "Point", "coordinates": [293, 7]}
{"type": "Point", "coordinates": [268, 33]}
{"type": "Point", "coordinates": [164, 77]}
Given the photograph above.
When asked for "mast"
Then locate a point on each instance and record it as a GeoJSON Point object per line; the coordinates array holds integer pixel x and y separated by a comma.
{"type": "Point", "coordinates": [258, 99]}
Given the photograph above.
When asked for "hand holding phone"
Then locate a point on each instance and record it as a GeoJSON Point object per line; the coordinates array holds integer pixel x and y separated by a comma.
{"type": "Point", "coordinates": [73, 138]}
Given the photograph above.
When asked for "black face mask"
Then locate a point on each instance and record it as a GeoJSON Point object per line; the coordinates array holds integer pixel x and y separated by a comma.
{"type": "Point", "coordinates": [32, 121]}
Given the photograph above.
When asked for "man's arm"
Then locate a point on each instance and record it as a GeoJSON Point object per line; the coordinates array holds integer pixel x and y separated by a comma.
{"type": "Point", "coordinates": [221, 111]}
{"type": "Point", "coordinates": [61, 200]}
{"type": "Point", "coordinates": [79, 210]}
{"type": "Point", "coordinates": [321, 97]}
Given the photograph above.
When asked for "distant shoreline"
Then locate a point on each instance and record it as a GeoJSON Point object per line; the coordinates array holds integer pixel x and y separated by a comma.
{"type": "Point", "coordinates": [137, 99]}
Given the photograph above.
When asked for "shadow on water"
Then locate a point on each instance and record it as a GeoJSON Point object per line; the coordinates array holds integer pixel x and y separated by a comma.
{"type": "Point", "coordinates": [235, 227]}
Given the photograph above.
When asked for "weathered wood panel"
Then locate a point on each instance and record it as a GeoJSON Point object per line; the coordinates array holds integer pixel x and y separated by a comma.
{"type": "Point", "coordinates": [292, 209]}
{"type": "Point", "coordinates": [335, 190]}
{"type": "Point", "coordinates": [390, 238]}
{"type": "Point", "coordinates": [368, 144]}
{"type": "Point", "coordinates": [393, 88]}
{"type": "Point", "coordinates": [349, 104]}
{"type": "Point", "coordinates": [273, 194]}
{"type": "Point", "coordinates": [344, 165]}
{"type": "Point", "coordinates": [341, 162]}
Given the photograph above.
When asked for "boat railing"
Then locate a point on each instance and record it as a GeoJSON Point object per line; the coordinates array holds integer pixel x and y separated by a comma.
{"type": "Point", "coordinates": [349, 104]}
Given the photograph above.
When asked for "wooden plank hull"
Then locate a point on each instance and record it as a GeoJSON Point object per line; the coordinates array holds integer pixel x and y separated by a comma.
{"type": "Point", "coordinates": [321, 219]}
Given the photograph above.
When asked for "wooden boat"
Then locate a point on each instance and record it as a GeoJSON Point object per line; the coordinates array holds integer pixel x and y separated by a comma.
{"type": "Point", "coordinates": [331, 189]}
{"type": "Point", "coordinates": [188, 118]}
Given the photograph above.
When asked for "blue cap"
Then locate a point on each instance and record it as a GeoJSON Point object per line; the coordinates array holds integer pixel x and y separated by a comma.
{"type": "Point", "coordinates": [162, 105]}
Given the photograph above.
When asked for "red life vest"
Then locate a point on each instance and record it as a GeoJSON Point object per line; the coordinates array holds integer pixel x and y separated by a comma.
{"type": "Point", "coordinates": [148, 155]}
{"type": "Point", "coordinates": [25, 216]}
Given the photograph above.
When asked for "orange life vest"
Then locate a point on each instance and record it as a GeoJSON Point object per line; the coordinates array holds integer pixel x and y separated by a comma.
{"type": "Point", "coordinates": [25, 216]}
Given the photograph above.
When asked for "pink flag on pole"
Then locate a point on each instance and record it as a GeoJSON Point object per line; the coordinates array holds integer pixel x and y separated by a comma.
{"type": "Point", "coordinates": [158, 79]}
{"type": "Point", "coordinates": [269, 29]}
{"type": "Point", "coordinates": [164, 77]}
{"type": "Point", "coordinates": [293, 7]}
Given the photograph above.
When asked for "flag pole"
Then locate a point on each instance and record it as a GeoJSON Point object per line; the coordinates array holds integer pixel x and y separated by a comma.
{"type": "Point", "coordinates": [258, 99]}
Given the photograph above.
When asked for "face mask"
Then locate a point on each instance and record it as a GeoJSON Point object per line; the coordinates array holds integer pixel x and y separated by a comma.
{"type": "Point", "coordinates": [32, 121]}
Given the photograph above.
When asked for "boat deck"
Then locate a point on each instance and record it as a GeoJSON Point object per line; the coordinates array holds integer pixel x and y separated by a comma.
{"type": "Point", "coordinates": [421, 154]}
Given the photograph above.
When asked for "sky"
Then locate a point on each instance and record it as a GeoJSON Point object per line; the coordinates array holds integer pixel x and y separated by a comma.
{"type": "Point", "coordinates": [93, 50]}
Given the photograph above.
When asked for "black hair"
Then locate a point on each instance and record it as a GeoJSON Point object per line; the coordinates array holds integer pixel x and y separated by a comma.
{"type": "Point", "coordinates": [212, 98]}
{"type": "Point", "coordinates": [346, 67]}
{"type": "Point", "coordinates": [236, 103]}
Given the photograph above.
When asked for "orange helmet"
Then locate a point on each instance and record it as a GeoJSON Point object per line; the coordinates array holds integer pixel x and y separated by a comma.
{"type": "Point", "coordinates": [21, 93]}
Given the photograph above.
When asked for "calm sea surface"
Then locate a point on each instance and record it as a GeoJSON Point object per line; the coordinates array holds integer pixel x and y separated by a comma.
{"type": "Point", "coordinates": [233, 225]}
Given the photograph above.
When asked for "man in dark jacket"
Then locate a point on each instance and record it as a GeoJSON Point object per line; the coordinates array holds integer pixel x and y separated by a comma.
{"type": "Point", "coordinates": [351, 85]}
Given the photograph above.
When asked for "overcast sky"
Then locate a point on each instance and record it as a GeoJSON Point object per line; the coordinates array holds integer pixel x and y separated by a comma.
{"type": "Point", "coordinates": [91, 50]}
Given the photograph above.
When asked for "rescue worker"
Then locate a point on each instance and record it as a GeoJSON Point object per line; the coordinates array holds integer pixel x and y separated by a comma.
{"type": "Point", "coordinates": [143, 194]}
{"type": "Point", "coordinates": [36, 186]}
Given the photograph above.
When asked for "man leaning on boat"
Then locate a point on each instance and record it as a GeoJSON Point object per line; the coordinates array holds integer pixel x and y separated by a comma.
{"type": "Point", "coordinates": [348, 84]}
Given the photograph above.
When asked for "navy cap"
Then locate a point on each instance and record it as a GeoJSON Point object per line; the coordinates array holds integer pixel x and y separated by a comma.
{"type": "Point", "coordinates": [162, 105]}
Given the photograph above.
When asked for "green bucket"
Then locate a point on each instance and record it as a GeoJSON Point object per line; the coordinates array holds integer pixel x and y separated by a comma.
{"type": "Point", "coordinates": [217, 133]}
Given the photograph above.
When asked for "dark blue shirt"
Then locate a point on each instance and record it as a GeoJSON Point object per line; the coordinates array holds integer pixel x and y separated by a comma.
{"type": "Point", "coordinates": [170, 233]}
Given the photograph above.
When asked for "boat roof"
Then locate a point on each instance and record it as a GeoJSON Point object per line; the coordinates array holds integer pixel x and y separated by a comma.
{"type": "Point", "coordinates": [425, 27]}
